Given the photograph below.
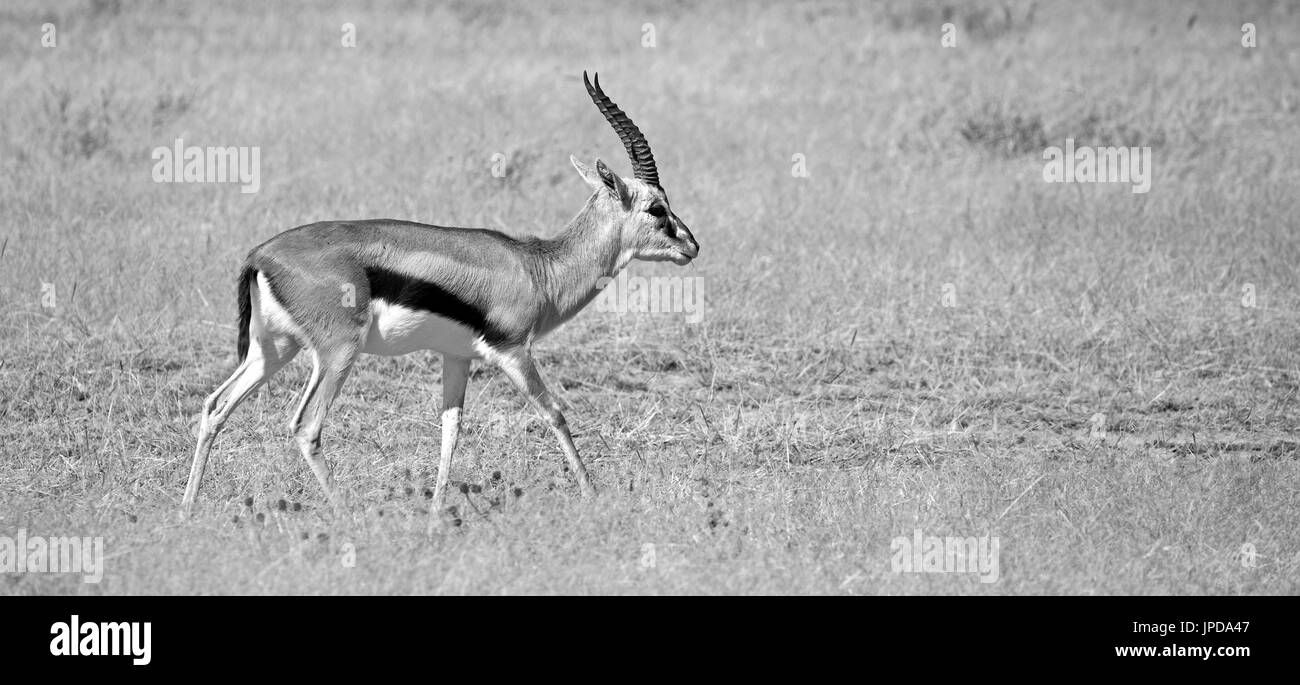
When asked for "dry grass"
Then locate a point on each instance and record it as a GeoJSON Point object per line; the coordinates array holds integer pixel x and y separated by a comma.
{"type": "Point", "coordinates": [828, 402]}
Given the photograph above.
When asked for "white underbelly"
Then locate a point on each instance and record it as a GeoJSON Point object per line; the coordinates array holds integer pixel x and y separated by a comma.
{"type": "Point", "coordinates": [395, 330]}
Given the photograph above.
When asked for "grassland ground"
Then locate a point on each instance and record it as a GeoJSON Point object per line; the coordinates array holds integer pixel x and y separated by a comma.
{"type": "Point", "coordinates": [918, 334]}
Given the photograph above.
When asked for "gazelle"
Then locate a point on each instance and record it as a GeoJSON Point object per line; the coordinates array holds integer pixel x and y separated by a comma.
{"type": "Point", "coordinates": [338, 289]}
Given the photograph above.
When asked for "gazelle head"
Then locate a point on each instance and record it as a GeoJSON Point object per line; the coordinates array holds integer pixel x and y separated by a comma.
{"type": "Point", "coordinates": [647, 226]}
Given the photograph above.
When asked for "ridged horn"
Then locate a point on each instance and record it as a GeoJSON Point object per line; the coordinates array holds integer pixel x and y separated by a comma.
{"type": "Point", "coordinates": [638, 150]}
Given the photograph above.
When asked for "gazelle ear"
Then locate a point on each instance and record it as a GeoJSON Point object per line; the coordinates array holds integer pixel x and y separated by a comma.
{"type": "Point", "coordinates": [615, 184]}
{"type": "Point", "coordinates": [587, 173]}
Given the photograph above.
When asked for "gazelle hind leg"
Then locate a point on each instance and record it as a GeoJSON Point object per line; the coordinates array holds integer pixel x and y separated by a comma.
{"type": "Point", "coordinates": [330, 369]}
{"type": "Point", "coordinates": [520, 368]}
{"type": "Point", "coordinates": [265, 357]}
{"type": "Point", "coordinates": [455, 376]}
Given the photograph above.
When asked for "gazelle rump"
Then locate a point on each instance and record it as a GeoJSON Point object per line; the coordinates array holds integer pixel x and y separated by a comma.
{"type": "Point", "coordinates": [337, 289]}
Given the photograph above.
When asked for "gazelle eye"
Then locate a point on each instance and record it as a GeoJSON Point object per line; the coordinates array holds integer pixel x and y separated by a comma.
{"type": "Point", "coordinates": [657, 211]}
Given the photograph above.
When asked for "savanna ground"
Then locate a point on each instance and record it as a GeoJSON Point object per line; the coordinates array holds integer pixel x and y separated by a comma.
{"type": "Point", "coordinates": [919, 334]}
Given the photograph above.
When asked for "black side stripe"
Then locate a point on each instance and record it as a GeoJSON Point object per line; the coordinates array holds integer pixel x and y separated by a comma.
{"type": "Point", "coordinates": [413, 293]}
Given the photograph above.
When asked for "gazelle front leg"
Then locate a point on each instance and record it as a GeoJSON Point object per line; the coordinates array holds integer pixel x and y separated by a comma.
{"type": "Point", "coordinates": [455, 375]}
{"type": "Point", "coordinates": [520, 368]}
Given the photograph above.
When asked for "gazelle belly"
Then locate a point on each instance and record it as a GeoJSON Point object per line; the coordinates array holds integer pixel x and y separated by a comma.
{"type": "Point", "coordinates": [395, 330]}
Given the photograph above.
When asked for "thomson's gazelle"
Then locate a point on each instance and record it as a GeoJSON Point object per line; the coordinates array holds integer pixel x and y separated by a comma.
{"type": "Point", "coordinates": [340, 288]}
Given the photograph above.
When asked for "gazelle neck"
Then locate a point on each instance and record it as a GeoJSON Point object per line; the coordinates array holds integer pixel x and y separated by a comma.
{"type": "Point", "coordinates": [588, 250]}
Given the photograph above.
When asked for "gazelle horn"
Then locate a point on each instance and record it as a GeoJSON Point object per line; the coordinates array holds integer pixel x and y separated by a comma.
{"type": "Point", "coordinates": [638, 150]}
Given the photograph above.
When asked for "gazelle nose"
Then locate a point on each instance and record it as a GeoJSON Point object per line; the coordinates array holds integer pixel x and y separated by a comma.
{"type": "Point", "coordinates": [691, 248]}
